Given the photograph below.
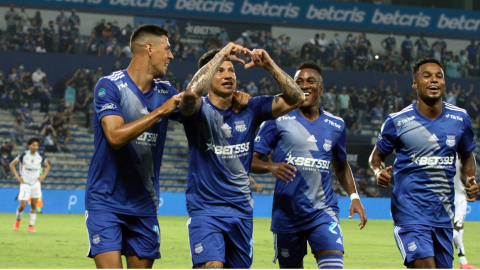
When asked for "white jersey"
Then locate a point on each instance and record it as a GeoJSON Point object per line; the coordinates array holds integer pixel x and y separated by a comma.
{"type": "Point", "coordinates": [30, 166]}
{"type": "Point", "coordinates": [457, 182]}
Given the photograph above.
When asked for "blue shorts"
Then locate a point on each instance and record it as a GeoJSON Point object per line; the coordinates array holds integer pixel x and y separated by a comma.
{"type": "Point", "coordinates": [131, 235]}
{"type": "Point", "coordinates": [290, 248]}
{"type": "Point", "coordinates": [421, 241]}
{"type": "Point", "coordinates": [225, 239]}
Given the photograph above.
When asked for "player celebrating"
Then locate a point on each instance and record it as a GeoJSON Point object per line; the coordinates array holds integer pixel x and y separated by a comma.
{"type": "Point", "coordinates": [304, 143]}
{"type": "Point", "coordinates": [426, 137]}
{"type": "Point", "coordinates": [30, 165]}
{"type": "Point", "coordinates": [460, 214]}
{"type": "Point", "coordinates": [219, 200]}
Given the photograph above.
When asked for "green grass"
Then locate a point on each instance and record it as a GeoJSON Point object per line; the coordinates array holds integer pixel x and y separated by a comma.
{"type": "Point", "coordinates": [61, 242]}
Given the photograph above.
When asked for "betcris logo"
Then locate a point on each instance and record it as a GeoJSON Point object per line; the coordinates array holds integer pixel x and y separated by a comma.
{"type": "Point", "coordinates": [137, 3]}
{"type": "Point", "coordinates": [267, 9]}
{"type": "Point", "coordinates": [212, 6]}
{"type": "Point", "coordinates": [455, 23]}
{"type": "Point", "coordinates": [334, 14]}
{"type": "Point", "coordinates": [401, 19]}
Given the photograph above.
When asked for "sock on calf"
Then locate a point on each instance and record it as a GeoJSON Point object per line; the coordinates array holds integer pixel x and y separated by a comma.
{"type": "Point", "coordinates": [330, 261]}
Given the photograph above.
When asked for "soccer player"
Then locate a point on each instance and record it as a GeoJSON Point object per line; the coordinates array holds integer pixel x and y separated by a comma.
{"type": "Point", "coordinates": [460, 214]}
{"type": "Point", "coordinates": [30, 164]}
{"type": "Point", "coordinates": [219, 201]}
{"type": "Point", "coordinates": [305, 142]}
{"type": "Point", "coordinates": [426, 136]}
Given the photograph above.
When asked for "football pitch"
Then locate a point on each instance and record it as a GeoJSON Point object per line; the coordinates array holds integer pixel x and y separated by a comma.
{"type": "Point", "coordinates": [61, 242]}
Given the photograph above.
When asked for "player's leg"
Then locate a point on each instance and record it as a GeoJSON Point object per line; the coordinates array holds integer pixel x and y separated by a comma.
{"type": "Point", "coordinates": [415, 243]}
{"type": "Point", "coordinates": [141, 241]}
{"type": "Point", "coordinates": [460, 215]}
{"type": "Point", "coordinates": [326, 242]}
{"type": "Point", "coordinates": [290, 248]}
{"type": "Point", "coordinates": [105, 238]}
{"type": "Point", "coordinates": [23, 196]}
{"type": "Point", "coordinates": [207, 243]}
{"type": "Point", "coordinates": [36, 192]}
{"type": "Point", "coordinates": [442, 243]}
{"type": "Point", "coordinates": [239, 243]}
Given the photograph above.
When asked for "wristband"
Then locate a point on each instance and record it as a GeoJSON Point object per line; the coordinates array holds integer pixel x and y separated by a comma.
{"type": "Point", "coordinates": [354, 196]}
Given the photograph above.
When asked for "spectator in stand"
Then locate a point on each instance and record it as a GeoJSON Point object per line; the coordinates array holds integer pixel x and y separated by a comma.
{"type": "Point", "coordinates": [37, 19]}
{"type": "Point", "coordinates": [99, 28]}
{"type": "Point", "coordinates": [37, 76]}
{"type": "Point", "coordinates": [261, 40]}
{"type": "Point", "coordinates": [4, 44]}
{"type": "Point", "coordinates": [7, 145]}
{"type": "Point", "coordinates": [28, 91]}
{"type": "Point", "coordinates": [22, 72]}
{"type": "Point", "coordinates": [452, 67]}
{"type": "Point", "coordinates": [115, 29]}
{"type": "Point", "coordinates": [98, 75]}
{"type": "Point", "coordinates": [58, 120]}
{"type": "Point", "coordinates": [69, 45]}
{"type": "Point", "coordinates": [343, 101]}
{"type": "Point", "coordinates": [112, 48]}
{"type": "Point", "coordinates": [81, 102]}
{"type": "Point", "coordinates": [269, 43]}
{"type": "Point", "coordinates": [174, 32]}
{"type": "Point", "coordinates": [88, 108]}
{"type": "Point", "coordinates": [462, 97]}
{"type": "Point", "coordinates": [472, 50]}
{"type": "Point", "coordinates": [125, 35]}
{"type": "Point", "coordinates": [360, 180]}
{"type": "Point", "coordinates": [117, 66]}
{"type": "Point", "coordinates": [26, 113]}
{"type": "Point", "coordinates": [18, 38]}
{"type": "Point", "coordinates": [330, 101]}
{"type": "Point", "coordinates": [252, 89]}
{"type": "Point", "coordinates": [451, 96]}
{"type": "Point", "coordinates": [93, 44]}
{"type": "Point", "coordinates": [5, 160]}
{"type": "Point", "coordinates": [406, 50]}
{"type": "Point", "coordinates": [173, 80]}
{"type": "Point", "coordinates": [371, 188]}
{"type": "Point", "coordinates": [244, 40]}
{"type": "Point", "coordinates": [464, 64]}
{"type": "Point", "coordinates": [62, 23]}
{"type": "Point", "coordinates": [287, 55]}
{"type": "Point", "coordinates": [336, 42]}
{"type": "Point", "coordinates": [441, 43]}
{"type": "Point", "coordinates": [49, 135]}
{"type": "Point", "coordinates": [389, 44]}
{"type": "Point", "coordinates": [218, 41]}
{"type": "Point", "coordinates": [70, 93]}
{"type": "Point", "coordinates": [224, 36]}
{"type": "Point", "coordinates": [473, 107]}
{"type": "Point", "coordinates": [187, 81]}
{"type": "Point", "coordinates": [74, 25]}
{"type": "Point", "coordinates": [361, 107]}
{"type": "Point", "coordinates": [41, 48]}
{"type": "Point", "coordinates": [29, 45]}
{"type": "Point", "coordinates": [349, 118]}
{"type": "Point", "coordinates": [45, 92]}
{"type": "Point", "coordinates": [322, 44]}
{"type": "Point", "coordinates": [18, 130]}
{"type": "Point", "coordinates": [364, 45]}
{"type": "Point", "coordinates": [49, 36]}
{"type": "Point", "coordinates": [422, 46]}
{"type": "Point", "coordinates": [190, 54]}
{"type": "Point", "coordinates": [350, 46]}
{"type": "Point", "coordinates": [61, 140]}
{"type": "Point", "coordinates": [23, 18]}
{"type": "Point", "coordinates": [399, 101]}
{"type": "Point", "coordinates": [35, 31]}
{"type": "Point", "coordinates": [11, 16]}
{"type": "Point", "coordinates": [361, 62]}
{"type": "Point", "coordinates": [376, 114]}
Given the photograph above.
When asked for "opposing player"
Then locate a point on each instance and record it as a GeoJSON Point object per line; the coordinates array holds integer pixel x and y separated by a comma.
{"type": "Point", "coordinates": [460, 215]}
{"type": "Point", "coordinates": [426, 136]}
{"type": "Point", "coordinates": [305, 142]}
{"type": "Point", "coordinates": [219, 201]}
{"type": "Point", "coordinates": [30, 164]}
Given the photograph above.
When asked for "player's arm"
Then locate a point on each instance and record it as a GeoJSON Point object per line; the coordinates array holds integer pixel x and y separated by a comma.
{"type": "Point", "coordinates": [119, 134]}
{"type": "Point", "coordinates": [468, 169]}
{"type": "Point", "coordinates": [377, 164]}
{"type": "Point", "coordinates": [191, 100]}
{"type": "Point", "coordinates": [292, 96]}
{"type": "Point", "coordinates": [283, 171]}
{"type": "Point", "coordinates": [255, 184]}
{"type": "Point", "coordinates": [46, 164]}
{"type": "Point", "coordinates": [12, 166]}
{"type": "Point", "coordinates": [345, 177]}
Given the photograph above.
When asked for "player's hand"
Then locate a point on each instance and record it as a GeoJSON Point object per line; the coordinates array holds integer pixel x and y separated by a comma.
{"type": "Point", "coordinates": [257, 187]}
{"type": "Point", "coordinates": [230, 51]}
{"type": "Point", "coordinates": [283, 171]}
{"type": "Point", "coordinates": [240, 101]}
{"type": "Point", "coordinates": [357, 207]}
{"type": "Point", "coordinates": [260, 58]}
{"type": "Point", "coordinates": [383, 177]}
{"type": "Point", "coordinates": [171, 104]}
{"type": "Point", "coordinates": [19, 179]}
{"type": "Point", "coordinates": [472, 189]}
{"type": "Point", "coordinates": [41, 178]}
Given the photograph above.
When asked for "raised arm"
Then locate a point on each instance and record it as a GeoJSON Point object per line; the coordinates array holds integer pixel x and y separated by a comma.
{"type": "Point", "coordinates": [377, 164]}
{"type": "Point", "coordinates": [292, 96]}
{"type": "Point", "coordinates": [345, 177]}
{"type": "Point", "coordinates": [191, 100]}
{"type": "Point", "coordinates": [468, 169]}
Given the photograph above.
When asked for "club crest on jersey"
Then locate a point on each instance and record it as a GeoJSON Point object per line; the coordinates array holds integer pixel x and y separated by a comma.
{"type": "Point", "coordinates": [450, 140]}
{"type": "Point", "coordinates": [227, 130]}
{"type": "Point", "coordinates": [327, 145]}
{"type": "Point", "coordinates": [96, 239]}
{"type": "Point", "coordinates": [285, 253]}
{"type": "Point", "coordinates": [198, 248]}
{"type": "Point", "coordinates": [257, 139]}
{"type": "Point", "coordinates": [412, 246]}
{"type": "Point", "coordinates": [240, 126]}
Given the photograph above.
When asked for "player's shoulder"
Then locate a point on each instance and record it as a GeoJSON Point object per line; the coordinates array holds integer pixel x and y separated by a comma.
{"type": "Point", "coordinates": [452, 109]}
{"type": "Point", "coordinates": [112, 81]}
{"type": "Point", "coordinates": [22, 155]}
{"type": "Point", "coordinates": [291, 116]}
{"type": "Point", "coordinates": [114, 77]}
{"type": "Point", "coordinates": [407, 111]}
{"type": "Point", "coordinates": [164, 87]}
{"type": "Point", "coordinates": [333, 120]}
{"type": "Point", "coordinates": [333, 117]}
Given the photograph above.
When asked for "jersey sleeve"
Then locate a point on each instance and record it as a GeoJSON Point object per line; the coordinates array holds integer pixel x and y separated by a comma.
{"type": "Point", "coordinates": [107, 99]}
{"type": "Point", "coordinates": [386, 141]}
{"type": "Point", "coordinates": [468, 142]}
{"type": "Point", "coordinates": [262, 106]}
{"type": "Point", "coordinates": [19, 158]}
{"type": "Point", "coordinates": [266, 137]}
{"type": "Point", "coordinates": [339, 152]}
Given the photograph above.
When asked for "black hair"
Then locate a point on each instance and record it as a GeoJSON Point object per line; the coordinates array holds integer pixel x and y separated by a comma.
{"type": "Point", "coordinates": [32, 140]}
{"type": "Point", "coordinates": [148, 29]}
{"type": "Point", "coordinates": [312, 65]}
{"type": "Point", "coordinates": [206, 57]}
{"type": "Point", "coordinates": [422, 61]}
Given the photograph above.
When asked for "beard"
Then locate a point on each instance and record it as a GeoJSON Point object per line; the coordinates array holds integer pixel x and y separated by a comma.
{"type": "Point", "coordinates": [430, 101]}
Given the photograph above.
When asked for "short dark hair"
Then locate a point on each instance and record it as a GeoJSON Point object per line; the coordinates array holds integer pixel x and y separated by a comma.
{"type": "Point", "coordinates": [145, 29]}
{"type": "Point", "coordinates": [32, 140]}
{"type": "Point", "coordinates": [312, 65]}
{"type": "Point", "coordinates": [422, 61]}
{"type": "Point", "coordinates": [206, 57]}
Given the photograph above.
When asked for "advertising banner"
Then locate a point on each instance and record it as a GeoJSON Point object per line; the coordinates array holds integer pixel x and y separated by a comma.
{"type": "Point", "coordinates": [365, 17]}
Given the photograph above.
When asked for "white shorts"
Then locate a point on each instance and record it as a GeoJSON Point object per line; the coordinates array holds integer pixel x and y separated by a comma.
{"type": "Point", "coordinates": [460, 207]}
{"type": "Point", "coordinates": [27, 191]}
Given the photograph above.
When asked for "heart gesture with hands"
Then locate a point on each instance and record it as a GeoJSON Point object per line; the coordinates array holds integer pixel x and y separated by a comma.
{"type": "Point", "coordinates": [260, 58]}
{"type": "Point", "coordinates": [229, 52]}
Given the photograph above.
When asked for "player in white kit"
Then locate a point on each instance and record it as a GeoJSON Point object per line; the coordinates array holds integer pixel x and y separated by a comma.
{"type": "Point", "coordinates": [30, 165]}
{"type": "Point", "coordinates": [460, 214]}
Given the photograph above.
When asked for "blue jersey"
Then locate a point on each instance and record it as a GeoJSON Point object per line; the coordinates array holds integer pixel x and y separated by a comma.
{"type": "Point", "coordinates": [221, 150]}
{"type": "Point", "coordinates": [310, 147]}
{"type": "Point", "coordinates": [425, 165]}
{"type": "Point", "coordinates": [126, 180]}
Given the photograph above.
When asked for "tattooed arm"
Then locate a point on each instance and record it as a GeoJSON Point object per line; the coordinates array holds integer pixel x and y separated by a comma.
{"type": "Point", "coordinates": [200, 83]}
{"type": "Point", "coordinates": [292, 96]}
{"type": "Point", "coordinates": [468, 169]}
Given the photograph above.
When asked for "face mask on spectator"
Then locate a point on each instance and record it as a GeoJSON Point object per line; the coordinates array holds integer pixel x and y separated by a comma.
{"type": "Point", "coordinates": [21, 67]}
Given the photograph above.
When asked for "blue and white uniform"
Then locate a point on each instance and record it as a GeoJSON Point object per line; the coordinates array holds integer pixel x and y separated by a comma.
{"type": "Point", "coordinates": [423, 198]}
{"type": "Point", "coordinates": [219, 200]}
{"type": "Point", "coordinates": [30, 169]}
{"type": "Point", "coordinates": [122, 191]}
{"type": "Point", "coordinates": [306, 208]}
